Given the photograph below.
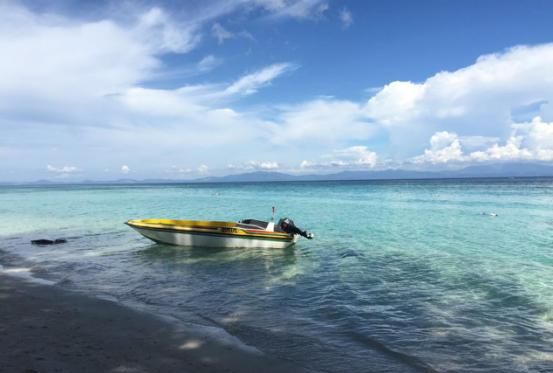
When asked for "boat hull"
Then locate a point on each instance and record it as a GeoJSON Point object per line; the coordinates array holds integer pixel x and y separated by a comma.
{"type": "Point", "coordinates": [208, 239]}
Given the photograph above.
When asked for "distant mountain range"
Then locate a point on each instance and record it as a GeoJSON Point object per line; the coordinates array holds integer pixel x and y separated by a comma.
{"type": "Point", "coordinates": [482, 171]}
{"type": "Point", "coordinates": [503, 170]}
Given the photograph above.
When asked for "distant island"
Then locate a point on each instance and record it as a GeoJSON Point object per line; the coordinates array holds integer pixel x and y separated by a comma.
{"type": "Point", "coordinates": [496, 170]}
{"type": "Point", "coordinates": [483, 171]}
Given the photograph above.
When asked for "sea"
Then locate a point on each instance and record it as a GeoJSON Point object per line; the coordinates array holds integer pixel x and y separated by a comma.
{"type": "Point", "coordinates": [402, 276]}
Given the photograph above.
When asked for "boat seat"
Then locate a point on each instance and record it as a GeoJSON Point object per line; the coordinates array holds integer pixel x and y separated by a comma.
{"type": "Point", "coordinates": [259, 223]}
{"type": "Point", "coordinates": [249, 226]}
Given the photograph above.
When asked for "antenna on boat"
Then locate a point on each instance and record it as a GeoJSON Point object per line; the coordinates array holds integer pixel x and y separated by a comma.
{"type": "Point", "coordinates": [273, 213]}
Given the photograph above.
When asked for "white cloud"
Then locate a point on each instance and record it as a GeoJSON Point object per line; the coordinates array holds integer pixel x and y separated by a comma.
{"type": "Point", "coordinates": [161, 102]}
{"type": "Point", "coordinates": [444, 147]}
{"type": "Point", "coordinates": [60, 71]}
{"type": "Point", "coordinates": [321, 121]}
{"type": "Point", "coordinates": [62, 170]}
{"type": "Point", "coordinates": [510, 151]}
{"type": "Point", "coordinates": [537, 133]}
{"type": "Point", "coordinates": [198, 101]}
{"type": "Point", "coordinates": [220, 33]}
{"type": "Point", "coordinates": [294, 8]}
{"type": "Point", "coordinates": [251, 83]}
{"type": "Point", "coordinates": [477, 142]}
{"type": "Point", "coordinates": [346, 18]}
{"type": "Point", "coordinates": [358, 155]}
{"type": "Point", "coordinates": [255, 165]}
{"type": "Point", "coordinates": [203, 169]}
{"type": "Point", "coordinates": [352, 157]}
{"type": "Point", "coordinates": [267, 165]}
{"type": "Point", "coordinates": [473, 101]}
{"type": "Point", "coordinates": [125, 169]}
{"type": "Point", "coordinates": [160, 33]}
{"type": "Point", "coordinates": [39, 79]}
{"type": "Point", "coordinates": [395, 103]}
{"type": "Point", "coordinates": [528, 141]}
{"type": "Point", "coordinates": [94, 58]}
{"type": "Point", "coordinates": [181, 170]}
{"type": "Point", "coordinates": [208, 63]}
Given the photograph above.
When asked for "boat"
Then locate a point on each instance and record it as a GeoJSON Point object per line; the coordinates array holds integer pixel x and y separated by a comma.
{"type": "Point", "coordinates": [247, 233]}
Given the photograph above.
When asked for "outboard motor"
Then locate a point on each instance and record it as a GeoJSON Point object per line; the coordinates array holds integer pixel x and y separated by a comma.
{"type": "Point", "coordinates": [288, 226]}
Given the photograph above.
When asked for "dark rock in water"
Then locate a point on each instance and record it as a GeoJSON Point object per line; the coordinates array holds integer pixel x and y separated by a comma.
{"type": "Point", "coordinates": [44, 241]}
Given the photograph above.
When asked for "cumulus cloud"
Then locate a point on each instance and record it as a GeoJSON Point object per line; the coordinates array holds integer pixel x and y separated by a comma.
{"type": "Point", "coordinates": [395, 103]}
{"type": "Point", "coordinates": [476, 100]}
{"type": "Point", "coordinates": [444, 147]}
{"type": "Point", "coordinates": [125, 169]}
{"type": "Point", "coordinates": [528, 141]}
{"type": "Point", "coordinates": [512, 150]}
{"type": "Point", "coordinates": [62, 170]}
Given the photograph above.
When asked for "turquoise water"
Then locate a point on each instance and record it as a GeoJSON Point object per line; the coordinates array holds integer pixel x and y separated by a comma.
{"type": "Point", "coordinates": [402, 275]}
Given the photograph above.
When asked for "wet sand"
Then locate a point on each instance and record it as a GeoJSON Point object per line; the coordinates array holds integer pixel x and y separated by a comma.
{"type": "Point", "coordinates": [47, 329]}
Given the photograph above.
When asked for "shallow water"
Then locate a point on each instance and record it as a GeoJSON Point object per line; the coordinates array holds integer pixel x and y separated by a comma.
{"type": "Point", "coordinates": [402, 275]}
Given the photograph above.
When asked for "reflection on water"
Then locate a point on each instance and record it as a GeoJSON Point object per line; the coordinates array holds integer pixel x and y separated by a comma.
{"type": "Point", "coordinates": [178, 254]}
{"type": "Point", "coordinates": [276, 266]}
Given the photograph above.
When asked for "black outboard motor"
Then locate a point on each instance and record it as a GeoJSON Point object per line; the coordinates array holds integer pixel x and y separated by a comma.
{"type": "Point", "coordinates": [288, 226]}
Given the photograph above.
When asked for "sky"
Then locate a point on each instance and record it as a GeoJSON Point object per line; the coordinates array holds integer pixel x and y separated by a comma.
{"type": "Point", "coordinates": [106, 90]}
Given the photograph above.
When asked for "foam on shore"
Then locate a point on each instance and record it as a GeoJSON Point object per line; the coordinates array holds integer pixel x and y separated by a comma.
{"type": "Point", "coordinates": [25, 274]}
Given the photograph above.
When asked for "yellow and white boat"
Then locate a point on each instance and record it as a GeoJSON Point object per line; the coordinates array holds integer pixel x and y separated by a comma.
{"type": "Point", "coordinates": [248, 233]}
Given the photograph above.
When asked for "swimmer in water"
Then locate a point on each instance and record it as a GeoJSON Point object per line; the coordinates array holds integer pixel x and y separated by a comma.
{"type": "Point", "coordinates": [489, 213]}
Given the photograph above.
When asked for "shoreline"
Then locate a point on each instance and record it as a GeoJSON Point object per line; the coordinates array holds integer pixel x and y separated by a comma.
{"type": "Point", "coordinates": [44, 328]}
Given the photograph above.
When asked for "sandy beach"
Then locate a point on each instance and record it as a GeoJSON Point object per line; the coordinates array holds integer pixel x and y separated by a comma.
{"type": "Point", "coordinates": [47, 329]}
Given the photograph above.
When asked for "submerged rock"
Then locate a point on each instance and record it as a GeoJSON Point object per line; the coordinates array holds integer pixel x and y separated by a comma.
{"type": "Point", "coordinates": [44, 241]}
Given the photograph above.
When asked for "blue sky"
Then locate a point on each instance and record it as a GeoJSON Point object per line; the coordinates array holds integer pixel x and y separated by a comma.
{"type": "Point", "coordinates": [106, 90]}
